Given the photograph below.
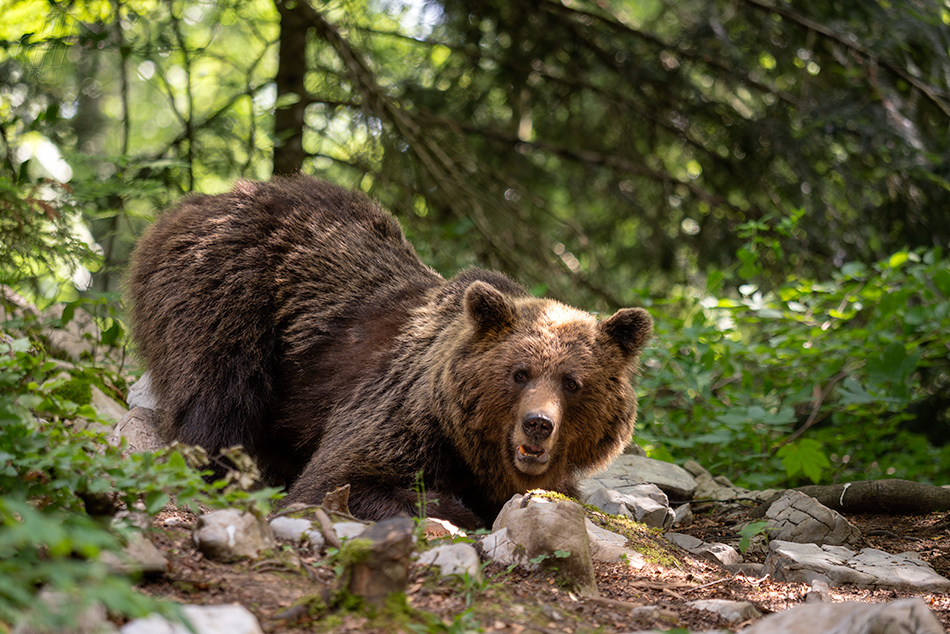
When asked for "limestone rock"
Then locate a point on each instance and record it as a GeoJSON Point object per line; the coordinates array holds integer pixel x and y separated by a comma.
{"type": "Point", "coordinates": [907, 616]}
{"type": "Point", "coordinates": [796, 517]}
{"type": "Point", "coordinates": [229, 535]}
{"type": "Point", "coordinates": [629, 470]}
{"type": "Point", "coordinates": [140, 556]}
{"type": "Point", "coordinates": [349, 530]}
{"type": "Point", "coordinates": [140, 431]}
{"type": "Point", "coordinates": [140, 394]}
{"type": "Point", "coordinates": [732, 611]}
{"type": "Point", "coordinates": [722, 554]}
{"type": "Point", "coordinates": [643, 503]}
{"type": "Point", "coordinates": [91, 620]}
{"type": "Point", "coordinates": [206, 619]}
{"type": "Point", "coordinates": [837, 565]}
{"type": "Point", "coordinates": [551, 533]}
{"type": "Point", "coordinates": [454, 559]}
{"type": "Point", "coordinates": [297, 530]}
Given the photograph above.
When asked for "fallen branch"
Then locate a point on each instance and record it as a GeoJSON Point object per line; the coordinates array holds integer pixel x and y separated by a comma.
{"type": "Point", "coordinates": [881, 496]}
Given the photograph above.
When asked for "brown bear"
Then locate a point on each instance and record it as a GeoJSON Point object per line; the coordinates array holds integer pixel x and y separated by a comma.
{"type": "Point", "coordinates": [293, 317]}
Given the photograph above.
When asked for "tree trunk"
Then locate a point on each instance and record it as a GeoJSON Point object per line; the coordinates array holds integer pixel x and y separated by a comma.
{"type": "Point", "coordinates": [881, 496]}
{"type": "Point", "coordinates": [291, 93]}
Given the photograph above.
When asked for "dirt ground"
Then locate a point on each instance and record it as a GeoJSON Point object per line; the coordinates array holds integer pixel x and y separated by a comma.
{"type": "Point", "coordinates": [287, 592]}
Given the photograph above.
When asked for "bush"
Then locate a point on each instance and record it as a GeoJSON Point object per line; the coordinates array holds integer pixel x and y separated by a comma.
{"type": "Point", "coordinates": [828, 380]}
{"type": "Point", "coordinates": [50, 468]}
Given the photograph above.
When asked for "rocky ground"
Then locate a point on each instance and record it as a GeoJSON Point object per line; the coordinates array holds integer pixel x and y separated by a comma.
{"type": "Point", "coordinates": [823, 550]}
{"type": "Point", "coordinates": [286, 591]}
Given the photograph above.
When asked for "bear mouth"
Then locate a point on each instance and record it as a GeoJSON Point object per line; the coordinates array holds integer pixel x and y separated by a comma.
{"type": "Point", "coordinates": [531, 459]}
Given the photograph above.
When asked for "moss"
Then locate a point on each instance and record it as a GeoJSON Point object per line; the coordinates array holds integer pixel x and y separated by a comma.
{"type": "Point", "coordinates": [647, 541]}
{"type": "Point", "coordinates": [78, 391]}
{"type": "Point", "coordinates": [354, 551]}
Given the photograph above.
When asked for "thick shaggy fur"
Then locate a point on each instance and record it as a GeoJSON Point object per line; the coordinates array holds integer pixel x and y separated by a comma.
{"type": "Point", "coordinates": [293, 318]}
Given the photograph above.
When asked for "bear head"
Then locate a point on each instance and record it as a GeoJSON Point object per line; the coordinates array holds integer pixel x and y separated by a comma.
{"type": "Point", "coordinates": [543, 390]}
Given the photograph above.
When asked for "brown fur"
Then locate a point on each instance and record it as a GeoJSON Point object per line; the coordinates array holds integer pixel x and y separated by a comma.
{"type": "Point", "coordinates": [292, 317]}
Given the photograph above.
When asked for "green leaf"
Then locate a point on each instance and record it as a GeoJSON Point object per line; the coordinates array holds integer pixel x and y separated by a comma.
{"type": "Point", "coordinates": [805, 457]}
{"type": "Point", "coordinates": [898, 259]}
{"type": "Point", "coordinates": [941, 279]}
{"type": "Point", "coordinates": [111, 334]}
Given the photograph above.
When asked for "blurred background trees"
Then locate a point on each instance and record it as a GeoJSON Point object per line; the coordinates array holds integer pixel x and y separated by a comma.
{"type": "Point", "coordinates": [771, 179]}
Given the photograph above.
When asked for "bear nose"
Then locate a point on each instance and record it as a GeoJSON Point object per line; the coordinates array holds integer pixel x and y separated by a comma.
{"type": "Point", "coordinates": [537, 426]}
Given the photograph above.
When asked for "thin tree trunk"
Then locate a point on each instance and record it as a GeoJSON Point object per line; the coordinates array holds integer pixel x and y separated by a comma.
{"type": "Point", "coordinates": [291, 93]}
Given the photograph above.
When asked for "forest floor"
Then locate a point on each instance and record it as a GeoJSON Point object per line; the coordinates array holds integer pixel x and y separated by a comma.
{"type": "Point", "coordinates": [287, 592]}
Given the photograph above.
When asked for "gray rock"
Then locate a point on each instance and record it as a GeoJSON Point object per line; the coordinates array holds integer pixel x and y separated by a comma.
{"type": "Point", "coordinates": [796, 517]}
{"type": "Point", "coordinates": [297, 530]}
{"type": "Point", "coordinates": [229, 535]}
{"type": "Point", "coordinates": [106, 407]}
{"type": "Point", "coordinates": [140, 394]}
{"type": "Point", "coordinates": [722, 554]}
{"type": "Point", "coordinates": [552, 534]}
{"type": "Point", "coordinates": [206, 619]}
{"type": "Point", "coordinates": [720, 488]}
{"type": "Point", "coordinates": [837, 565]}
{"type": "Point", "coordinates": [139, 556]}
{"type": "Point", "coordinates": [643, 503]}
{"type": "Point", "coordinates": [907, 616]}
{"type": "Point", "coordinates": [682, 514]}
{"type": "Point", "coordinates": [349, 530]}
{"type": "Point", "coordinates": [732, 611]}
{"type": "Point", "coordinates": [140, 431]}
{"type": "Point", "coordinates": [454, 559]}
{"type": "Point", "coordinates": [605, 545]}
{"type": "Point", "coordinates": [630, 469]}
{"type": "Point", "coordinates": [91, 620]}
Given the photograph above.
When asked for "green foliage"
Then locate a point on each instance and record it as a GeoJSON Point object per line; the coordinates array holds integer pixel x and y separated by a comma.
{"type": "Point", "coordinates": [51, 469]}
{"type": "Point", "coordinates": [750, 531]}
{"type": "Point", "coordinates": [465, 622]}
{"type": "Point", "coordinates": [816, 379]}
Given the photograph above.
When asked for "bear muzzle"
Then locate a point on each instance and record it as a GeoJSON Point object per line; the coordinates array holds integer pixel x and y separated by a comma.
{"type": "Point", "coordinates": [533, 440]}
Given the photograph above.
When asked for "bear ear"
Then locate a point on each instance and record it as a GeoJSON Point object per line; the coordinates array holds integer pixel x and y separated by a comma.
{"type": "Point", "coordinates": [629, 328]}
{"type": "Point", "coordinates": [489, 309]}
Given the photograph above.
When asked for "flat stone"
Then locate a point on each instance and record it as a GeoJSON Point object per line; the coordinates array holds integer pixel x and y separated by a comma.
{"type": "Point", "coordinates": [732, 611]}
{"type": "Point", "coordinates": [631, 469]}
{"type": "Point", "coordinates": [349, 530]}
{"type": "Point", "coordinates": [434, 528]}
{"type": "Point", "coordinates": [92, 619]}
{"type": "Point", "coordinates": [298, 531]}
{"type": "Point", "coordinates": [454, 559]}
{"type": "Point", "coordinates": [230, 534]}
{"type": "Point", "coordinates": [206, 619]}
{"type": "Point", "coordinates": [640, 503]}
{"type": "Point", "coordinates": [907, 616]}
{"type": "Point", "coordinates": [139, 556]}
{"type": "Point", "coordinates": [796, 517]}
{"type": "Point", "coordinates": [611, 547]}
{"type": "Point", "coordinates": [836, 565]}
{"type": "Point", "coordinates": [722, 554]}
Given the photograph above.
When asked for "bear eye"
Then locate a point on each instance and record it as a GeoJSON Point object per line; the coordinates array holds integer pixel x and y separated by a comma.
{"type": "Point", "coordinates": [571, 385]}
{"type": "Point", "coordinates": [520, 376]}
